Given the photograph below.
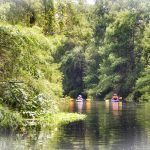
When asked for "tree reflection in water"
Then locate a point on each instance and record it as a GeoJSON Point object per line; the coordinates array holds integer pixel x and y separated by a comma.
{"type": "Point", "coordinates": [108, 126]}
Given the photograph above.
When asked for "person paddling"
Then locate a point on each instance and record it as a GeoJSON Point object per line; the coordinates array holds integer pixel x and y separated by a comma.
{"type": "Point", "coordinates": [79, 98]}
{"type": "Point", "coordinates": [115, 97]}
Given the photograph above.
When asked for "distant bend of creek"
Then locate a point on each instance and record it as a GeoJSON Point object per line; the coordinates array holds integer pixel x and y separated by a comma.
{"type": "Point", "coordinates": [108, 126]}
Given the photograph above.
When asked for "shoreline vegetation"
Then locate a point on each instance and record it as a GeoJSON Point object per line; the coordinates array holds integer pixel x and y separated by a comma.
{"type": "Point", "coordinates": [31, 84]}
{"type": "Point", "coordinates": [14, 121]}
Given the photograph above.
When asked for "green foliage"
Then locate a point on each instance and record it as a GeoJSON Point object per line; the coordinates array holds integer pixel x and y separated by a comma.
{"type": "Point", "coordinates": [10, 119]}
{"type": "Point", "coordinates": [142, 85]}
{"type": "Point", "coordinates": [142, 88]}
{"type": "Point", "coordinates": [72, 67]}
{"type": "Point", "coordinates": [67, 18]}
{"type": "Point", "coordinates": [26, 56]}
{"type": "Point", "coordinates": [14, 95]}
{"type": "Point", "coordinates": [91, 73]}
{"type": "Point", "coordinates": [31, 81]}
{"type": "Point", "coordinates": [146, 46]}
{"type": "Point", "coordinates": [118, 64]}
{"type": "Point", "coordinates": [4, 9]}
{"type": "Point", "coordinates": [119, 48]}
{"type": "Point", "coordinates": [62, 119]}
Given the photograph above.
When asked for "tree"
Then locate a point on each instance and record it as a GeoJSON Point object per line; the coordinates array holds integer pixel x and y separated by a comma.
{"type": "Point", "coordinates": [91, 72]}
{"type": "Point", "coordinates": [49, 16]}
{"type": "Point", "coordinates": [73, 69]}
{"type": "Point", "coordinates": [117, 70]}
{"type": "Point", "coordinates": [142, 88]}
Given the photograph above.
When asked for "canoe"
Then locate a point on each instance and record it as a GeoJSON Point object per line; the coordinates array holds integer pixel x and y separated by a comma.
{"type": "Point", "coordinates": [79, 100]}
{"type": "Point", "coordinates": [114, 100]}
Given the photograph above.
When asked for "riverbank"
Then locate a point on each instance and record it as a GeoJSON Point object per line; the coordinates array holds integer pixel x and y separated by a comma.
{"type": "Point", "coordinates": [14, 121]}
{"type": "Point", "coordinates": [10, 119]}
{"type": "Point", "coordinates": [59, 119]}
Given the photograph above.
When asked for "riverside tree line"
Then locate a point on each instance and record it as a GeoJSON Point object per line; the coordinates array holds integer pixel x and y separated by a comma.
{"type": "Point", "coordinates": [51, 48]}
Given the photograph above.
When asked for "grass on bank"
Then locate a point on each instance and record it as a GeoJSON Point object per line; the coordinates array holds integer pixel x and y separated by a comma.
{"type": "Point", "coordinates": [13, 120]}
{"type": "Point", "coordinates": [61, 118]}
{"type": "Point", "coordinates": [10, 119]}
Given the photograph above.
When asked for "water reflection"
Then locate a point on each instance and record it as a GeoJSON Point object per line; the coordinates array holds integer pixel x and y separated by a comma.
{"type": "Point", "coordinates": [88, 106]}
{"type": "Point", "coordinates": [114, 126]}
{"type": "Point", "coordinates": [79, 106]}
{"type": "Point", "coordinates": [116, 108]}
{"type": "Point", "coordinates": [71, 106]}
{"type": "Point", "coordinates": [108, 126]}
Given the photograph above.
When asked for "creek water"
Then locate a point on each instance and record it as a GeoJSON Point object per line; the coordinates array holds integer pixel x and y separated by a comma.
{"type": "Point", "coordinates": [108, 126]}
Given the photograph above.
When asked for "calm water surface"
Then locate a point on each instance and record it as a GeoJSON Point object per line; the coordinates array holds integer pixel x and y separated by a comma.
{"type": "Point", "coordinates": [108, 126]}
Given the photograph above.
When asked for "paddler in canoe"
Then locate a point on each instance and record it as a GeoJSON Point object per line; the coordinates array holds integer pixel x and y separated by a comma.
{"type": "Point", "coordinates": [79, 98]}
{"type": "Point", "coordinates": [115, 98]}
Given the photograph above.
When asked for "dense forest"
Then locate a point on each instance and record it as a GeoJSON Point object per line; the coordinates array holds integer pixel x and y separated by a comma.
{"type": "Point", "coordinates": [50, 49]}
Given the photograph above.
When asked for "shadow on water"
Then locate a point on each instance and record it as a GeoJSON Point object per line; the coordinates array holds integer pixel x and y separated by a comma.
{"type": "Point", "coordinates": [110, 126]}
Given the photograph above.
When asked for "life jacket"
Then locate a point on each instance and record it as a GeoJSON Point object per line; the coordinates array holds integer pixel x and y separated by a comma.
{"type": "Point", "coordinates": [115, 97]}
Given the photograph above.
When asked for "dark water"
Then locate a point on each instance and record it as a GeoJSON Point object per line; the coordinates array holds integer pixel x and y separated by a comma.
{"type": "Point", "coordinates": [109, 126]}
